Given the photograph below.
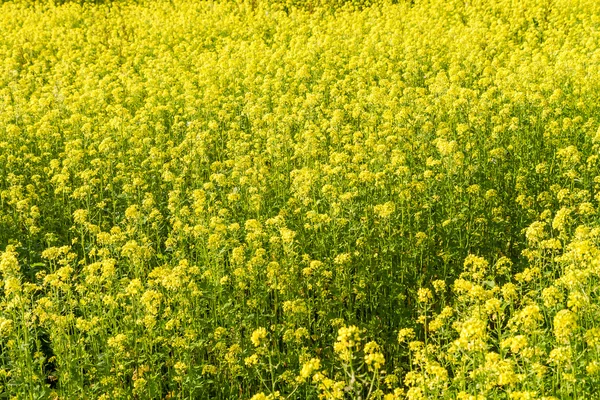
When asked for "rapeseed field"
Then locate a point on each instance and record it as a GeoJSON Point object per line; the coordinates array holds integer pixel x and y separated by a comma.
{"type": "Point", "coordinates": [300, 200]}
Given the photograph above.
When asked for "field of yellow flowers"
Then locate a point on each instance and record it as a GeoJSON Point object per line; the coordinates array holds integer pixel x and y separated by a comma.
{"type": "Point", "coordinates": [300, 200]}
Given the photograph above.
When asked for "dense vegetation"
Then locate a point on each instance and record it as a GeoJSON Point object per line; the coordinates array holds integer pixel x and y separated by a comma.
{"type": "Point", "coordinates": [223, 200]}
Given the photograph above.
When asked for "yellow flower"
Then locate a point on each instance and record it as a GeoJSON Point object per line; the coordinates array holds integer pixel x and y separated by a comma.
{"type": "Point", "coordinates": [405, 334]}
{"type": "Point", "coordinates": [493, 306]}
{"type": "Point", "coordinates": [551, 296]}
{"type": "Point", "coordinates": [528, 318]}
{"type": "Point", "coordinates": [209, 369]}
{"type": "Point", "coordinates": [151, 299]}
{"type": "Point", "coordinates": [180, 367]}
{"type": "Point", "coordinates": [592, 337]}
{"type": "Point", "coordinates": [561, 219]}
{"type": "Point", "coordinates": [287, 235]}
{"type": "Point", "coordinates": [309, 368]}
{"type": "Point", "coordinates": [565, 322]}
{"type": "Point", "coordinates": [258, 336]}
{"type": "Point", "coordinates": [373, 357]}
{"type": "Point", "coordinates": [12, 286]}
{"type": "Point", "coordinates": [465, 396]}
{"type": "Point", "coordinates": [560, 355]}
{"type": "Point", "coordinates": [9, 263]}
{"type": "Point", "coordinates": [515, 343]}
{"type": "Point", "coordinates": [385, 210]}
{"type": "Point", "coordinates": [509, 292]}
{"type": "Point", "coordinates": [523, 395]}
{"type": "Point", "coordinates": [251, 360]}
{"type": "Point", "coordinates": [424, 295]}
{"type": "Point", "coordinates": [347, 341]}
{"type": "Point", "coordinates": [117, 341]}
{"type": "Point", "coordinates": [577, 300]}
{"type": "Point", "coordinates": [439, 285]}
{"type": "Point", "coordinates": [80, 216]}
{"type": "Point", "coordinates": [415, 393]}
{"type": "Point", "coordinates": [472, 334]}
{"type": "Point", "coordinates": [259, 396]}
{"type": "Point", "coordinates": [476, 266]}
{"type": "Point", "coordinates": [535, 233]}
{"type": "Point", "coordinates": [6, 327]}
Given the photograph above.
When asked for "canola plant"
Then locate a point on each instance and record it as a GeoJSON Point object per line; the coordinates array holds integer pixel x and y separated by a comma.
{"type": "Point", "coordinates": [300, 200]}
